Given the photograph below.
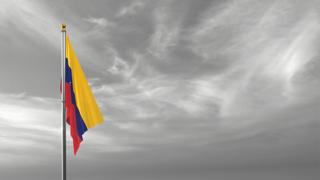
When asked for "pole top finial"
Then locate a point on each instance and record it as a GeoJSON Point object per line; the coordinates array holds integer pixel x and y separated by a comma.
{"type": "Point", "coordinates": [63, 27]}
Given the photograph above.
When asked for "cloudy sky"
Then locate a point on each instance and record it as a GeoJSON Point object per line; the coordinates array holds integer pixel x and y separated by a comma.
{"type": "Point", "coordinates": [189, 89]}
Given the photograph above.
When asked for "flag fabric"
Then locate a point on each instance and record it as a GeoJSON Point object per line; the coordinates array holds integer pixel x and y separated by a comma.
{"type": "Point", "coordinates": [82, 111]}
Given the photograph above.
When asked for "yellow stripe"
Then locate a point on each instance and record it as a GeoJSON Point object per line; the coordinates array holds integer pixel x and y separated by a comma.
{"type": "Point", "coordinates": [85, 100]}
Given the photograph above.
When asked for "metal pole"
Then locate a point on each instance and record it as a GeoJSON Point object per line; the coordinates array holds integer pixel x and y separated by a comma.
{"type": "Point", "coordinates": [63, 97]}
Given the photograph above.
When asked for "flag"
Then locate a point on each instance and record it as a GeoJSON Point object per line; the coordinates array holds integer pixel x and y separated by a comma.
{"type": "Point", "coordinates": [82, 111]}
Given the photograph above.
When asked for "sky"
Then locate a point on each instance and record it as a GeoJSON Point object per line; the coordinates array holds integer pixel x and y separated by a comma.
{"type": "Point", "coordinates": [189, 89]}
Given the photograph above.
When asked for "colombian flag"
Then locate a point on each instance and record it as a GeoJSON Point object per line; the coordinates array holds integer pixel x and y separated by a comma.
{"type": "Point", "coordinates": [82, 111]}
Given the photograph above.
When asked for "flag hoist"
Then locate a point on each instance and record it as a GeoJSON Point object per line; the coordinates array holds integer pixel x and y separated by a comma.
{"type": "Point", "coordinates": [79, 107]}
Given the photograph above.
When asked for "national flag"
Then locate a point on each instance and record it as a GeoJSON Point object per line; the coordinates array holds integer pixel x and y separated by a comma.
{"type": "Point", "coordinates": [82, 111]}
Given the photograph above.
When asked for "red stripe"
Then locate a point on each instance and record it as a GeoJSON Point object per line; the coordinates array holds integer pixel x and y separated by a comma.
{"type": "Point", "coordinates": [71, 119]}
{"type": "Point", "coordinates": [81, 126]}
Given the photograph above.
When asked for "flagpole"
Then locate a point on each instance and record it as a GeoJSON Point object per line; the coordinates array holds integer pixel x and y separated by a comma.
{"type": "Point", "coordinates": [63, 97]}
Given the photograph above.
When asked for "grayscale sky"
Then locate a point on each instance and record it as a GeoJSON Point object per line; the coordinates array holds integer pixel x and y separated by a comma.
{"type": "Point", "coordinates": [189, 89]}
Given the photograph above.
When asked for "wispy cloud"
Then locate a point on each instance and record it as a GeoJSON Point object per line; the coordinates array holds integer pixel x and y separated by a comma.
{"type": "Point", "coordinates": [29, 125]}
{"type": "Point", "coordinates": [130, 9]}
{"type": "Point", "coordinates": [32, 18]}
{"type": "Point", "coordinates": [231, 84]}
{"type": "Point", "coordinates": [165, 34]}
{"type": "Point", "coordinates": [262, 64]}
{"type": "Point", "coordinates": [100, 22]}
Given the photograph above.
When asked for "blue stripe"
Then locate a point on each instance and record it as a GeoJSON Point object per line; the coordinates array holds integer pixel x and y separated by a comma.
{"type": "Point", "coordinates": [81, 126]}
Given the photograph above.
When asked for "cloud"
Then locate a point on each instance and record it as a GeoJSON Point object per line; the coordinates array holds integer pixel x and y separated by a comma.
{"type": "Point", "coordinates": [40, 23]}
{"type": "Point", "coordinates": [183, 86]}
{"type": "Point", "coordinates": [130, 9]}
{"type": "Point", "coordinates": [30, 124]}
{"type": "Point", "coordinates": [30, 16]}
{"type": "Point", "coordinates": [119, 66]}
{"type": "Point", "coordinates": [100, 22]}
{"type": "Point", "coordinates": [262, 64]}
{"type": "Point", "coordinates": [165, 34]}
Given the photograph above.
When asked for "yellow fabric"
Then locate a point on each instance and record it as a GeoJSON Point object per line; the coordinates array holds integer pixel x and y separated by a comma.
{"type": "Point", "coordinates": [85, 100]}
